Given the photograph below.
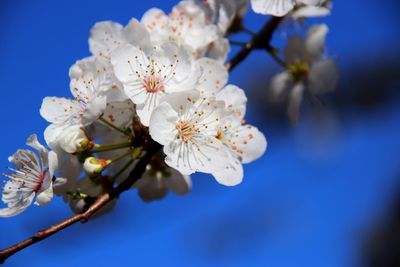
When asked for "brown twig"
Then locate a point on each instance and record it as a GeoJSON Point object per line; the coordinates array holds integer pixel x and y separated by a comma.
{"type": "Point", "coordinates": [259, 41]}
{"type": "Point", "coordinates": [101, 201]}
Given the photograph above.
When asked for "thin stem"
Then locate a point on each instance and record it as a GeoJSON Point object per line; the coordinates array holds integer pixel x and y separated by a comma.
{"type": "Point", "coordinates": [105, 148]}
{"type": "Point", "coordinates": [247, 30]}
{"type": "Point", "coordinates": [124, 168]}
{"type": "Point", "coordinates": [238, 43]}
{"type": "Point", "coordinates": [113, 126]}
{"type": "Point", "coordinates": [121, 156]}
{"type": "Point", "coordinates": [272, 51]}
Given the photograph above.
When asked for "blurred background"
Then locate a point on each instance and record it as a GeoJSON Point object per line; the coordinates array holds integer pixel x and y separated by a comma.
{"type": "Point", "coordinates": [326, 193]}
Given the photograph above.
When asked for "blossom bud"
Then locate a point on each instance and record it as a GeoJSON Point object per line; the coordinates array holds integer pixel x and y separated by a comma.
{"type": "Point", "coordinates": [94, 166]}
{"type": "Point", "coordinates": [74, 140]}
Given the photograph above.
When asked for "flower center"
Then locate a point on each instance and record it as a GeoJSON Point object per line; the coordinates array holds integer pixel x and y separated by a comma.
{"type": "Point", "coordinates": [185, 130]}
{"type": "Point", "coordinates": [299, 71]}
{"type": "Point", "coordinates": [40, 182]}
{"type": "Point", "coordinates": [153, 84]}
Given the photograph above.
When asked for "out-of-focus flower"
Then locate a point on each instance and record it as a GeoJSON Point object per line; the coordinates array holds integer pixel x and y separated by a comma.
{"type": "Point", "coordinates": [33, 177]}
{"type": "Point", "coordinates": [159, 179]}
{"type": "Point", "coordinates": [279, 8]}
{"type": "Point", "coordinates": [308, 70]}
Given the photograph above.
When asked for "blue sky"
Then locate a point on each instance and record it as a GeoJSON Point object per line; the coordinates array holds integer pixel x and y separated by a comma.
{"type": "Point", "coordinates": [305, 203]}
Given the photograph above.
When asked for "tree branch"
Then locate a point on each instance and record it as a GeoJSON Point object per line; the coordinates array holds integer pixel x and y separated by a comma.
{"type": "Point", "coordinates": [259, 41]}
{"type": "Point", "coordinates": [101, 201]}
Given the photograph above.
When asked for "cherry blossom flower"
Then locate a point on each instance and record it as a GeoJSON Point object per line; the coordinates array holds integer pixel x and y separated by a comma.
{"type": "Point", "coordinates": [187, 126]}
{"type": "Point", "coordinates": [89, 86]}
{"type": "Point", "coordinates": [187, 25]}
{"type": "Point", "coordinates": [308, 70]}
{"type": "Point", "coordinates": [279, 8]}
{"type": "Point", "coordinates": [147, 77]}
{"type": "Point", "coordinates": [33, 177]}
{"type": "Point", "coordinates": [244, 142]}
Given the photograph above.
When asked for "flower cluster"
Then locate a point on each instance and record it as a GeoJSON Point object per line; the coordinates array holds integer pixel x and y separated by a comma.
{"type": "Point", "coordinates": [160, 79]}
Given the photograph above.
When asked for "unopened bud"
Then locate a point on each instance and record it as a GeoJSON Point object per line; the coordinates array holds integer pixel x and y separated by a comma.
{"type": "Point", "coordinates": [94, 166]}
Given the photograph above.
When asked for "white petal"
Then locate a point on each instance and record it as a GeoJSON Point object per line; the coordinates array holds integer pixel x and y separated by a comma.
{"type": "Point", "coordinates": [277, 8]}
{"type": "Point", "coordinates": [162, 123]}
{"type": "Point", "coordinates": [213, 77]}
{"type": "Point", "coordinates": [137, 35]}
{"type": "Point", "coordinates": [129, 63]}
{"type": "Point", "coordinates": [250, 142]}
{"type": "Point", "coordinates": [33, 142]}
{"type": "Point", "coordinates": [324, 77]}
{"type": "Point", "coordinates": [311, 11]}
{"type": "Point", "coordinates": [59, 110]}
{"type": "Point", "coordinates": [120, 113]}
{"type": "Point", "coordinates": [53, 163]}
{"type": "Point", "coordinates": [17, 208]}
{"type": "Point", "coordinates": [235, 100]}
{"type": "Point", "coordinates": [315, 41]}
{"type": "Point", "coordinates": [154, 19]}
{"type": "Point", "coordinates": [207, 154]}
{"type": "Point", "coordinates": [44, 197]}
{"type": "Point", "coordinates": [52, 134]}
{"type": "Point", "coordinates": [183, 74]}
{"type": "Point", "coordinates": [230, 176]}
{"type": "Point", "coordinates": [280, 85]}
{"type": "Point", "coordinates": [310, 2]}
{"type": "Point", "coordinates": [94, 109]}
{"type": "Point", "coordinates": [296, 95]}
{"type": "Point", "coordinates": [219, 49]}
{"type": "Point", "coordinates": [104, 38]}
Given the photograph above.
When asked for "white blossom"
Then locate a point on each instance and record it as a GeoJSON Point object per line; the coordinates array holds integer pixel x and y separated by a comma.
{"type": "Point", "coordinates": [89, 86]}
{"type": "Point", "coordinates": [279, 8]}
{"type": "Point", "coordinates": [33, 177]}
{"type": "Point", "coordinates": [187, 125]}
{"type": "Point", "coordinates": [244, 142]}
{"type": "Point", "coordinates": [308, 69]}
{"type": "Point", "coordinates": [187, 24]}
{"type": "Point", "coordinates": [147, 77]}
